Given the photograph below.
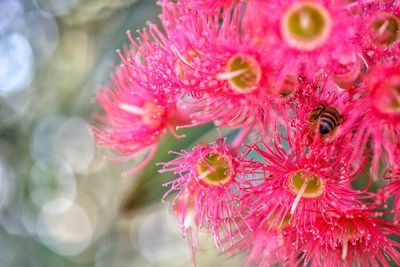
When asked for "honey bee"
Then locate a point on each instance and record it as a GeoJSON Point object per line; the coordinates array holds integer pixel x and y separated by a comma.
{"type": "Point", "coordinates": [326, 119]}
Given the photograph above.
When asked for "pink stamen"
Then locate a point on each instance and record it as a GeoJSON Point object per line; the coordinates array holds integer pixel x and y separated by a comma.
{"type": "Point", "coordinates": [241, 137]}
{"type": "Point", "coordinates": [174, 133]}
{"type": "Point", "coordinates": [148, 158]}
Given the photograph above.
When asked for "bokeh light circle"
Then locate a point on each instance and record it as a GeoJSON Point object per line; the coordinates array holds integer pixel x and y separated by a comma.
{"type": "Point", "coordinates": [64, 227]}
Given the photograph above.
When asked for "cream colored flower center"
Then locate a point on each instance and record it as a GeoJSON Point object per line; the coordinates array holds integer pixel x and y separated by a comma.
{"type": "Point", "coordinates": [215, 169]}
{"type": "Point", "coordinates": [306, 25]}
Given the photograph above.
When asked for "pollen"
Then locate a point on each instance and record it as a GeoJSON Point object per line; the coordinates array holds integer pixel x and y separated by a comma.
{"type": "Point", "coordinates": [307, 182]}
{"type": "Point", "coordinates": [243, 73]}
{"type": "Point", "coordinates": [215, 169]}
{"type": "Point", "coordinates": [306, 25]}
{"type": "Point", "coordinates": [385, 29]}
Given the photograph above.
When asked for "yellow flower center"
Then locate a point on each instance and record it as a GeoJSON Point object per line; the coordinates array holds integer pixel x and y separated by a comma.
{"type": "Point", "coordinates": [385, 29]}
{"type": "Point", "coordinates": [307, 184]}
{"type": "Point", "coordinates": [215, 169]}
{"type": "Point", "coordinates": [306, 25]}
{"type": "Point", "coordinates": [243, 73]}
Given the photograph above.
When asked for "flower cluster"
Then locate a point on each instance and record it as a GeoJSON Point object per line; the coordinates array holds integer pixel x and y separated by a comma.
{"type": "Point", "coordinates": [312, 88]}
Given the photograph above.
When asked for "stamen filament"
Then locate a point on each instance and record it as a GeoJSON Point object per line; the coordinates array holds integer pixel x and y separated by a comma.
{"type": "Point", "coordinates": [147, 159]}
{"type": "Point", "coordinates": [132, 109]}
{"type": "Point", "coordinates": [298, 197]}
{"type": "Point", "coordinates": [204, 174]}
{"type": "Point", "coordinates": [364, 61]}
{"type": "Point", "coordinates": [281, 240]}
{"type": "Point", "coordinates": [383, 27]}
{"type": "Point", "coordinates": [357, 4]}
{"type": "Point", "coordinates": [230, 75]}
{"type": "Point", "coordinates": [241, 137]}
{"type": "Point", "coordinates": [180, 56]}
{"type": "Point", "coordinates": [345, 247]}
{"type": "Point", "coordinates": [304, 20]}
{"type": "Point", "coordinates": [174, 133]}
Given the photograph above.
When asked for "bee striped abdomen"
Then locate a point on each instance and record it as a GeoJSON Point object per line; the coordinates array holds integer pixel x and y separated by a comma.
{"type": "Point", "coordinates": [329, 121]}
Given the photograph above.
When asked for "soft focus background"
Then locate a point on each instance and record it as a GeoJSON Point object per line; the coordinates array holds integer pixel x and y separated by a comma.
{"type": "Point", "coordinates": [61, 203]}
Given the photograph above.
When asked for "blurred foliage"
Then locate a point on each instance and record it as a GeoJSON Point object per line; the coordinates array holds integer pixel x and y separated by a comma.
{"type": "Point", "coordinates": [60, 201]}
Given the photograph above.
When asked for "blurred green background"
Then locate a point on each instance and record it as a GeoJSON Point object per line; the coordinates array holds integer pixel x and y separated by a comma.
{"type": "Point", "coordinates": [61, 203]}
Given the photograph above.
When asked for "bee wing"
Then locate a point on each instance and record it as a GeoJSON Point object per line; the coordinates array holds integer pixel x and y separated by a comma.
{"type": "Point", "coordinates": [316, 113]}
{"type": "Point", "coordinates": [313, 116]}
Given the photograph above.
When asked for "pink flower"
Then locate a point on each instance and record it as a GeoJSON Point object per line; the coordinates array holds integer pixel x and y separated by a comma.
{"type": "Point", "coordinates": [209, 180]}
{"type": "Point", "coordinates": [140, 104]}
{"type": "Point", "coordinates": [302, 181]}
{"type": "Point", "coordinates": [392, 176]}
{"type": "Point", "coordinates": [379, 32]}
{"type": "Point", "coordinates": [323, 114]}
{"type": "Point", "coordinates": [303, 34]}
{"type": "Point", "coordinates": [356, 237]}
{"type": "Point", "coordinates": [381, 125]}
{"type": "Point", "coordinates": [313, 87]}
{"type": "Point", "coordinates": [226, 71]}
{"type": "Point", "coordinates": [384, 92]}
{"type": "Point", "coordinates": [202, 5]}
{"type": "Point", "coordinates": [268, 243]}
{"type": "Point", "coordinates": [346, 67]}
